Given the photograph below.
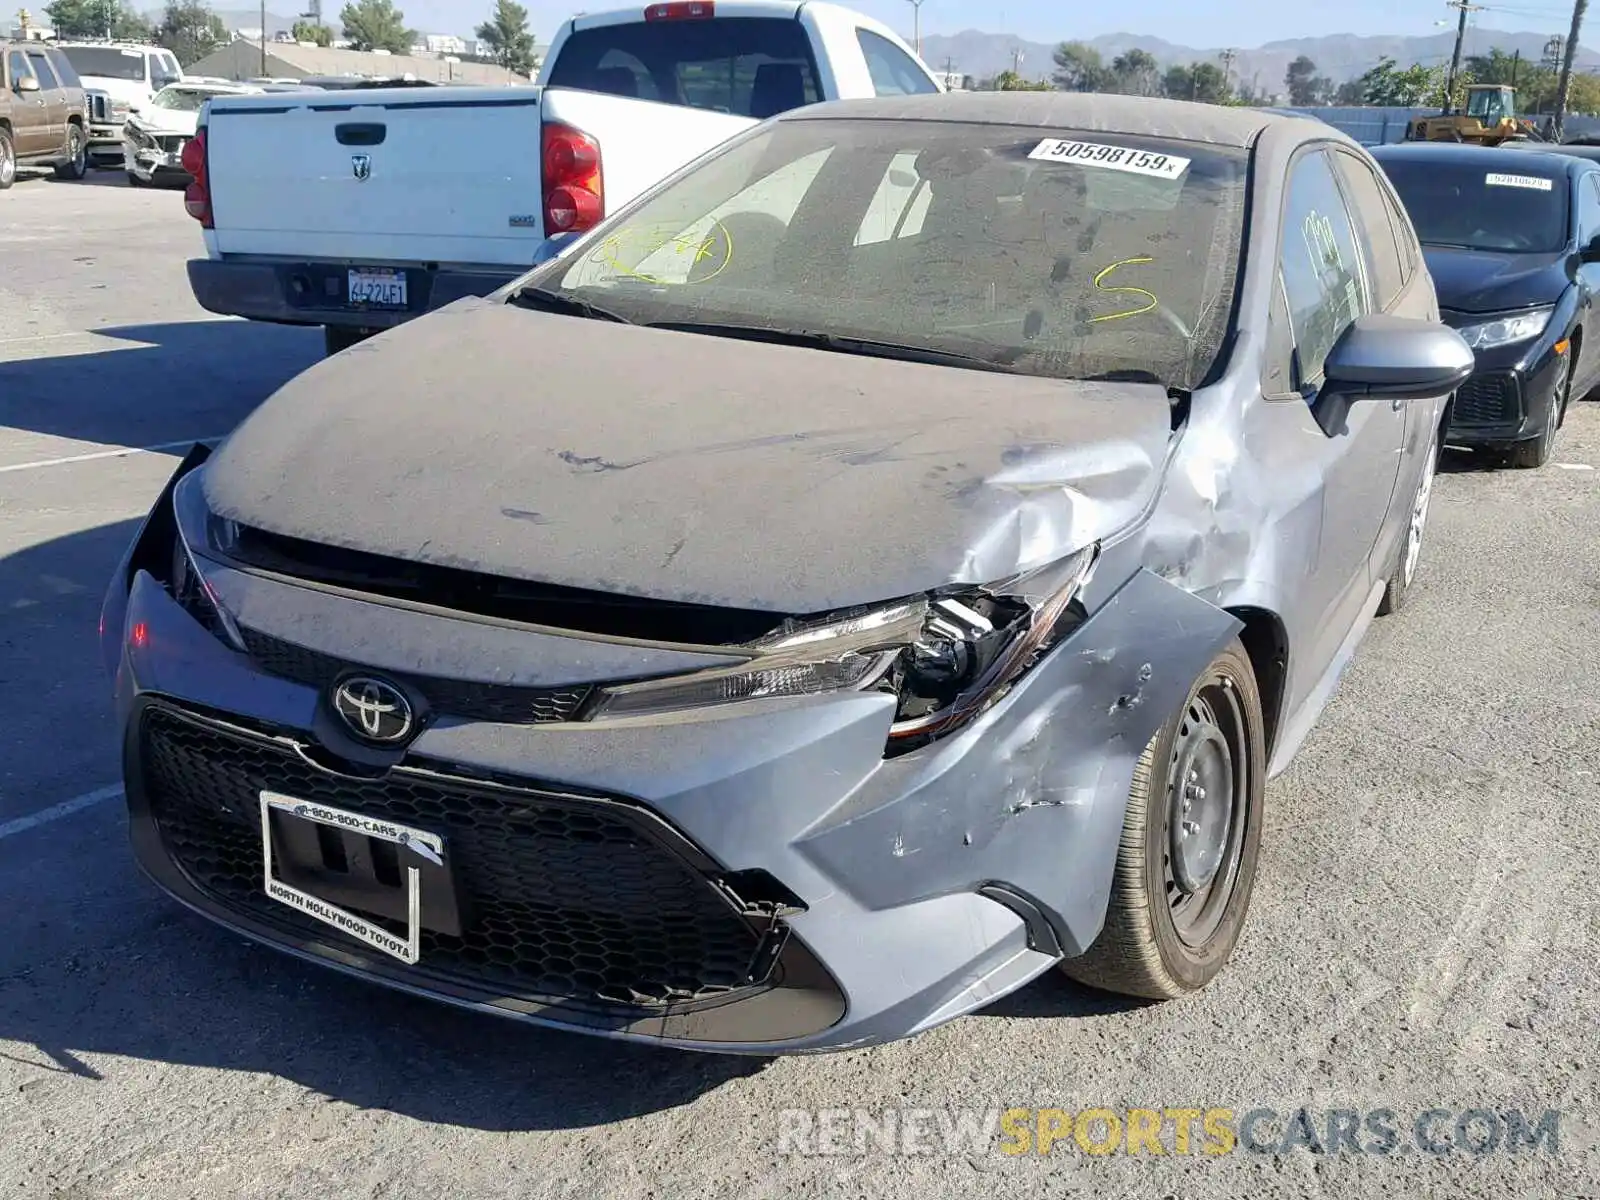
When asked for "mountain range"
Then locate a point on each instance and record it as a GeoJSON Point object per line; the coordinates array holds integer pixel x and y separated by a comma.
{"type": "Point", "coordinates": [1339, 57]}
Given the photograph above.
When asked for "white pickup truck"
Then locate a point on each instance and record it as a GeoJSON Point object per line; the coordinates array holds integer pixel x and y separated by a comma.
{"type": "Point", "coordinates": [358, 210]}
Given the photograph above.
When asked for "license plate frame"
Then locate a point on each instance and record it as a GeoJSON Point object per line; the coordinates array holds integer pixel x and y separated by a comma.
{"type": "Point", "coordinates": [426, 845]}
{"type": "Point", "coordinates": [377, 288]}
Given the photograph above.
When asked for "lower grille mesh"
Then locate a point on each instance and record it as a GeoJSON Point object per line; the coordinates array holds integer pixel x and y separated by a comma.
{"type": "Point", "coordinates": [562, 899]}
{"type": "Point", "coordinates": [1486, 400]}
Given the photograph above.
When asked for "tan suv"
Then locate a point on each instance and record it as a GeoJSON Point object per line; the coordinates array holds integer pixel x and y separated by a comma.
{"type": "Point", "coordinates": [43, 120]}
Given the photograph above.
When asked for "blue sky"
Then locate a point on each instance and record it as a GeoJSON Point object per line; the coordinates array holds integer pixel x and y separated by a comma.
{"type": "Point", "coordinates": [1218, 23]}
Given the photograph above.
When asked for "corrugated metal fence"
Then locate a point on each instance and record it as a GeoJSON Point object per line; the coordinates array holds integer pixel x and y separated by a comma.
{"type": "Point", "coordinates": [1379, 126]}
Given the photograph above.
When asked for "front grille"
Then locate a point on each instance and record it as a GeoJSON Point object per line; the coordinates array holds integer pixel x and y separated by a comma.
{"type": "Point", "coordinates": [99, 104]}
{"type": "Point", "coordinates": [502, 703]}
{"type": "Point", "coordinates": [170, 143]}
{"type": "Point", "coordinates": [562, 898]}
{"type": "Point", "coordinates": [1487, 400]}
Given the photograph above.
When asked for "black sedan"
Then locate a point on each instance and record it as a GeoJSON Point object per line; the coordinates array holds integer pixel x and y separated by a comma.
{"type": "Point", "coordinates": [1512, 239]}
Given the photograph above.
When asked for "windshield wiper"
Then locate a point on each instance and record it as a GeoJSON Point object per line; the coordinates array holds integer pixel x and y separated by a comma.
{"type": "Point", "coordinates": [558, 302]}
{"type": "Point", "coordinates": [840, 343]}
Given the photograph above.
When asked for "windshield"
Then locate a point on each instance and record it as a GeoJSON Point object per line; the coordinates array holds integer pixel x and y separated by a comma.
{"type": "Point", "coordinates": [1109, 256]}
{"type": "Point", "coordinates": [1508, 208]}
{"type": "Point", "coordinates": [106, 61]}
{"type": "Point", "coordinates": [745, 66]}
{"type": "Point", "coordinates": [1489, 105]}
{"type": "Point", "coordinates": [187, 99]}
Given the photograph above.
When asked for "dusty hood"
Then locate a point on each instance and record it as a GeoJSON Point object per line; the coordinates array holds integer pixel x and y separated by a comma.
{"type": "Point", "coordinates": [686, 467]}
{"type": "Point", "coordinates": [121, 91]}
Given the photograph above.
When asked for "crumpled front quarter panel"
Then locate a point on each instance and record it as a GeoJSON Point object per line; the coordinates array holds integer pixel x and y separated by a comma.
{"type": "Point", "coordinates": [1033, 795]}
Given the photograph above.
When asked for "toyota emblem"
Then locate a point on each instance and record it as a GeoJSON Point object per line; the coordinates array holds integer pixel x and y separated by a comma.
{"type": "Point", "coordinates": [373, 710]}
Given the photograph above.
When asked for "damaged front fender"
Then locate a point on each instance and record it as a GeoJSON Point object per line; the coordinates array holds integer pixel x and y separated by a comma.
{"type": "Point", "coordinates": [1032, 796]}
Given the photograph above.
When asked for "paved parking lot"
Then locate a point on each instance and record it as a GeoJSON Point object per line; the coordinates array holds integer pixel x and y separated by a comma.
{"type": "Point", "coordinates": [1424, 934]}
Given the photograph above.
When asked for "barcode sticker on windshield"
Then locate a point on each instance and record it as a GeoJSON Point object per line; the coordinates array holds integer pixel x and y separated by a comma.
{"type": "Point", "coordinates": [1522, 181]}
{"type": "Point", "coordinates": [1115, 158]}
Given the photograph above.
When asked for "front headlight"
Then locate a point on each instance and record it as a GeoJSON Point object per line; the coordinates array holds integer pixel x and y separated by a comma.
{"type": "Point", "coordinates": [946, 657]}
{"type": "Point", "coordinates": [185, 581]}
{"type": "Point", "coordinates": [1502, 331]}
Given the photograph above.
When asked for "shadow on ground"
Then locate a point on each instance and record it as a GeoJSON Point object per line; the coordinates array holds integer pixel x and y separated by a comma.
{"type": "Point", "coordinates": [143, 385]}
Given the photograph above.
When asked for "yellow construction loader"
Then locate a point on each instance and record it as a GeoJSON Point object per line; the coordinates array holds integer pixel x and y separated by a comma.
{"type": "Point", "coordinates": [1490, 120]}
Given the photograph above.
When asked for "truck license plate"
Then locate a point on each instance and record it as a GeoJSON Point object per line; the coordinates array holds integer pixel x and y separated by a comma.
{"type": "Point", "coordinates": [377, 289]}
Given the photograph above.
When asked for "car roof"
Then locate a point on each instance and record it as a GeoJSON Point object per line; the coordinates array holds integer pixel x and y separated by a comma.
{"type": "Point", "coordinates": [1084, 112]}
{"type": "Point", "coordinates": [1451, 152]}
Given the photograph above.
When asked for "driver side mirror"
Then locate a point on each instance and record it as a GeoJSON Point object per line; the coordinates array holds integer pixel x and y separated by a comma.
{"type": "Point", "coordinates": [1392, 358]}
{"type": "Point", "coordinates": [1591, 252]}
{"type": "Point", "coordinates": [27, 84]}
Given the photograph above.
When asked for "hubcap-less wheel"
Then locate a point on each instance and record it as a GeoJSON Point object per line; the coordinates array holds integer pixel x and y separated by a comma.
{"type": "Point", "coordinates": [8, 164]}
{"type": "Point", "coordinates": [1419, 513]}
{"type": "Point", "coordinates": [80, 152]}
{"type": "Point", "coordinates": [1207, 799]}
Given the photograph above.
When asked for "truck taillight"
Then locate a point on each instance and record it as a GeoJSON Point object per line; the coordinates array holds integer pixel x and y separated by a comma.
{"type": "Point", "coordinates": [574, 194]}
{"type": "Point", "coordinates": [681, 10]}
{"type": "Point", "coordinates": [197, 196]}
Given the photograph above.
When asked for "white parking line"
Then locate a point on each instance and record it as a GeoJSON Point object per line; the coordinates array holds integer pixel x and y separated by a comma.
{"type": "Point", "coordinates": [56, 811]}
{"type": "Point", "coordinates": [1575, 466]}
{"type": "Point", "coordinates": [117, 453]}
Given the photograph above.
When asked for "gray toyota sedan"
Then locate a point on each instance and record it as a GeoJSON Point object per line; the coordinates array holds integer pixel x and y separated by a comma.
{"type": "Point", "coordinates": [886, 561]}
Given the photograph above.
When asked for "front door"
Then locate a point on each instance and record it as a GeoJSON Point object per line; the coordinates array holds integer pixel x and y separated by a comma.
{"type": "Point", "coordinates": [1327, 284]}
{"type": "Point", "coordinates": [30, 111]}
{"type": "Point", "coordinates": [55, 99]}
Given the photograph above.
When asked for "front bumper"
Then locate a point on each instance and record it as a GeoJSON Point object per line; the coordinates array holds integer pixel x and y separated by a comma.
{"type": "Point", "coordinates": [312, 293]}
{"type": "Point", "coordinates": [754, 878]}
{"type": "Point", "coordinates": [105, 143]}
{"type": "Point", "coordinates": [1507, 398]}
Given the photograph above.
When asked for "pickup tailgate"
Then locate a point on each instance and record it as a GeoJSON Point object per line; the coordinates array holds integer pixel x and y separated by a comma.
{"type": "Point", "coordinates": [440, 175]}
{"type": "Point", "coordinates": [435, 175]}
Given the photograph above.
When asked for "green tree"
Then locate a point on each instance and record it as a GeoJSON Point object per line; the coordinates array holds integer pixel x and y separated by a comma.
{"type": "Point", "coordinates": [96, 19]}
{"type": "Point", "coordinates": [1388, 85]}
{"type": "Point", "coordinates": [1079, 68]}
{"type": "Point", "coordinates": [376, 25]}
{"type": "Point", "coordinates": [1136, 73]}
{"type": "Point", "coordinates": [1011, 81]}
{"type": "Point", "coordinates": [190, 30]}
{"type": "Point", "coordinates": [1202, 81]}
{"type": "Point", "coordinates": [507, 37]}
{"type": "Point", "coordinates": [310, 31]}
{"type": "Point", "coordinates": [1301, 82]}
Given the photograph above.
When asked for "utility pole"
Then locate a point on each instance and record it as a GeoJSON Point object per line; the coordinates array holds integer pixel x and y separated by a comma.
{"type": "Point", "coordinates": [1464, 7]}
{"type": "Point", "coordinates": [1579, 7]}
{"type": "Point", "coordinates": [263, 39]}
{"type": "Point", "coordinates": [1227, 57]}
{"type": "Point", "coordinates": [916, 25]}
{"type": "Point", "coordinates": [1016, 61]}
{"type": "Point", "coordinates": [1516, 61]}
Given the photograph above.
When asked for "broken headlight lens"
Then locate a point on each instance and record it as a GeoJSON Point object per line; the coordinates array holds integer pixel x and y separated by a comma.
{"type": "Point", "coordinates": [945, 657]}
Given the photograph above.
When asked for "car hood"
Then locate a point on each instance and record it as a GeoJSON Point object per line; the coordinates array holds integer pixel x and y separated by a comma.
{"type": "Point", "coordinates": [165, 120]}
{"type": "Point", "coordinates": [1480, 281]}
{"type": "Point", "coordinates": [686, 467]}
{"type": "Point", "coordinates": [121, 91]}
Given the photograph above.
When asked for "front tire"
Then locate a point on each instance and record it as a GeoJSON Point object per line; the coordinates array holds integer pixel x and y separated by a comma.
{"type": "Point", "coordinates": [77, 164]}
{"type": "Point", "coordinates": [1191, 837]}
{"type": "Point", "coordinates": [1534, 454]}
{"type": "Point", "coordinates": [8, 160]}
{"type": "Point", "coordinates": [1398, 585]}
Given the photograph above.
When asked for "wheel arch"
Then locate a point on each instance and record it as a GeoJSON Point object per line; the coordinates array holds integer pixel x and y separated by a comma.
{"type": "Point", "coordinates": [1266, 641]}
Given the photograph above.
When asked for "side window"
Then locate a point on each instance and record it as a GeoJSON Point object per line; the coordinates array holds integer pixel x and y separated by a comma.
{"type": "Point", "coordinates": [17, 67]}
{"type": "Point", "coordinates": [1588, 208]}
{"type": "Point", "coordinates": [42, 70]}
{"type": "Point", "coordinates": [1405, 235]}
{"type": "Point", "coordinates": [170, 68]}
{"type": "Point", "coordinates": [1379, 241]}
{"type": "Point", "coordinates": [900, 204]}
{"type": "Point", "coordinates": [1323, 276]}
{"type": "Point", "coordinates": [64, 72]}
{"type": "Point", "coordinates": [1277, 376]}
{"type": "Point", "coordinates": [893, 71]}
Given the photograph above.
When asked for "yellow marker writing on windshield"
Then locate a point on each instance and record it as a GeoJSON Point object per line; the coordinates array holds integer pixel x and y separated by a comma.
{"type": "Point", "coordinates": [1132, 312]}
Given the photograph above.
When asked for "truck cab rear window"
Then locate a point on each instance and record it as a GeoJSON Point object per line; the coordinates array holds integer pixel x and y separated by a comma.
{"type": "Point", "coordinates": [744, 66]}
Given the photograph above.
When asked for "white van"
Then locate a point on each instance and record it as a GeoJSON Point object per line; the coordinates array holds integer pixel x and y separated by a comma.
{"type": "Point", "coordinates": [126, 75]}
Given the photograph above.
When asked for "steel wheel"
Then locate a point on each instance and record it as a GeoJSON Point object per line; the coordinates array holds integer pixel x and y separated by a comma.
{"type": "Point", "coordinates": [8, 162]}
{"type": "Point", "coordinates": [1208, 781]}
